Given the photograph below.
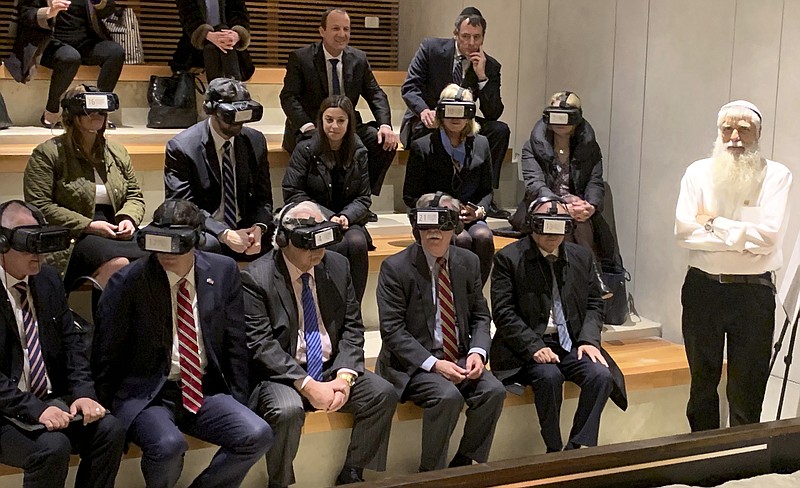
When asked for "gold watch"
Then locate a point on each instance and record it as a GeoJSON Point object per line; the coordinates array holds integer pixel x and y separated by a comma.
{"type": "Point", "coordinates": [348, 378]}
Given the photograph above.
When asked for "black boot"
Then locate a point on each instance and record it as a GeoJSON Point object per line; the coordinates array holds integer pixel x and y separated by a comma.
{"type": "Point", "coordinates": [350, 474]}
{"type": "Point", "coordinates": [606, 291]}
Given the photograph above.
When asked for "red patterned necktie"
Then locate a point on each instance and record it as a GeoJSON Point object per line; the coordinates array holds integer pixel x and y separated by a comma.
{"type": "Point", "coordinates": [38, 374]}
{"type": "Point", "coordinates": [191, 376]}
{"type": "Point", "coordinates": [447, 311]}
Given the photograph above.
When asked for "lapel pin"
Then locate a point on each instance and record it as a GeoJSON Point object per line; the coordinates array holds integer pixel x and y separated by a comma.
{"type": "Point", "coordinates": [209, 281]}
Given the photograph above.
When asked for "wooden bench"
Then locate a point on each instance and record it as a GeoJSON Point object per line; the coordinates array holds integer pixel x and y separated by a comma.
{"type": "Point", "coordinates": [649, 363]}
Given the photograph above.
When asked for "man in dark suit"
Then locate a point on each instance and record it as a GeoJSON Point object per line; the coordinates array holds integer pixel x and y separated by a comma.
{"type": "Point", "coordinates": [216, 32]}
{"type": "Point", "coordinates": [43, 361]}
{"type": "Point", "coordinates": [435, 329]}
{"type": "Point", "coordinates": [311, 367]}
{"type": "Point", "coordinates": [331, 67]}
{"type": "Point", "coordinates": [462, 61]}
{"type": "Point", "coordinates": [548, 310]}
{"type": "Point", "coordinates": [171, 354]}
{"type": "Point", "coordinates": [221, 166]}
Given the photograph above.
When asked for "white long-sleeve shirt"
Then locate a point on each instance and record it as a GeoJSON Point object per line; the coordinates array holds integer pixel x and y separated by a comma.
{"type": "Point", "coordinates": [751, 245]}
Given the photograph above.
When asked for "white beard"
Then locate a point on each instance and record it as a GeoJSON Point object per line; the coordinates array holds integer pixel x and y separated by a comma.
{"type": "Point", "coordinates": [737, 180]}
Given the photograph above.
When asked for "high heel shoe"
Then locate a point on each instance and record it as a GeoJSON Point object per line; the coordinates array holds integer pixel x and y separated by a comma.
{"type": "Point", "coordinates": [50, 125]}
{"type": "Point", "coordinates": [605, 291]}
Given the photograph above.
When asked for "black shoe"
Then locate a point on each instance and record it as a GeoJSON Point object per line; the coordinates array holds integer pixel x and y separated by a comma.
{"type": "Point", "coordinates": [349, 475]}
{"type": "Point", "coordinates": [460, 460]}
{"type": "Point", "coordinates": [49, 125]}
{"type": "Point", "coordinates": [373, 217]}
{"type": "Point", "coordinates": [498, 213]}
{"type": "Point", "coordinates": [110, 125]}
{"type": "Point", "coordinates": [571, 446]}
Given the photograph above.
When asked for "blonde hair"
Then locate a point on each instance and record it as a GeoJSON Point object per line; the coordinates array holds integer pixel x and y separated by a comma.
{"type": "Point", "coordinates": [450, 91]}
{"type": "Point", "coordinates": [573, 100]}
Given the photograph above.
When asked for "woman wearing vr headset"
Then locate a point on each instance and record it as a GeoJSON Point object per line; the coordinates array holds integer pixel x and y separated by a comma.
{"type": "Point", "coordinates": [562, 158]}
{"type": "Point", "coordinates": [456, 160]}
{"type": "Point", "coordinates": [330, 169]}
{"type": "Point", "coordinates": [66, 34]}
{"type": "Point", "coordinates": [81, 181]}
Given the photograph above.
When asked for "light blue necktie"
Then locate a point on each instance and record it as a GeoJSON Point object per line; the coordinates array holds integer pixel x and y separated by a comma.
{"type": "Point", "coordinates": [311, 332]}
{"type": "Point", "coordinates": [337, 90]}
{"type": "Point", "coordinates": [558, 311]}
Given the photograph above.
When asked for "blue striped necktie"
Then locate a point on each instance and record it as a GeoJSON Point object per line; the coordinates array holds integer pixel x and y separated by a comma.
{"type": "Point", "coordinates": [558, 311]}
{"type": "Point", "coordinates": [458, 70]}
{"type": "Point", "coordinates": [311, 332]}
{"type": "Point", "coordinates": [228, 187]}
{"type": "Point", "coordinates": [38, 375]}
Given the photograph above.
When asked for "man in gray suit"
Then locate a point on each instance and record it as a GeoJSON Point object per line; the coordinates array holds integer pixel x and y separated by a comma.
{"type": "Point", "coordinates": [306, 340]}
{"type": "Point", "coordinates": [435, 329]}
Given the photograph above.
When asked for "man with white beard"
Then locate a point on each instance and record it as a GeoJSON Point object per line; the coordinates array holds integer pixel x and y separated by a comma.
{"type": "Point", "coordinates": [731, 216]}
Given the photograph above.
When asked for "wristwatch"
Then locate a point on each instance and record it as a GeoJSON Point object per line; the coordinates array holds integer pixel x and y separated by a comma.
{"type": "Point", "coordinates": [709, 227]}
{"type": "Point", "coordinates": [348, 378]}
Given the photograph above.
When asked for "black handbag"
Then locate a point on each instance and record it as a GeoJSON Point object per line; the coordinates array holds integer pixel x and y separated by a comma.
{"type": "Point", "coordinates": [615, 278]}
{"type": "Point", "coordinates": [173, 100]}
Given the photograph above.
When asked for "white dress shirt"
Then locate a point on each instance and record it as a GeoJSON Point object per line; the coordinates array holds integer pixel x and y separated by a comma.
{"type": "Point", "coordinates": [175, 364]}
{"type": "Point", "coordinates": [750, 245]}
{"type": "Point", "coordinates": [219, 214]}
{"type": "Point", "coordinates": [16, 306]}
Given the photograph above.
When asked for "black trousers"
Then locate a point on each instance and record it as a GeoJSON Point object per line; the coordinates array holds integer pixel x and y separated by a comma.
{"type": "Point", "coordinates": [496, 131]}
{"type": "Point", "coordinates": [379, 159]}
{"type": "Point", "coordinates": [744, 314]}
{"type": "Point", "coordinates": [45, 455]}
{"type": "Point", "coordinates": [354, 246]}
{"type": "Point", "coordinates": [65, 60]}
{"type": "Point", "coordinates": [478, 238]}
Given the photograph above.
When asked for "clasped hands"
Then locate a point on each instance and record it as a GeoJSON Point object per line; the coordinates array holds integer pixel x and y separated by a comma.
{"type": "Point", "coordinates": [224, 39]}
{"type": "Point", "coordinates": [455, 373]}
{"type": "Point", "coordinates": [53, 418]}
{"type": "Point", "coordinates": [247, 241]}
{"type": "Point", "coordinates": [580, 209]}
{"type": "Point", "coordinates": [122, 231]}
{"type": "Point", "coordinates": [327, 395]}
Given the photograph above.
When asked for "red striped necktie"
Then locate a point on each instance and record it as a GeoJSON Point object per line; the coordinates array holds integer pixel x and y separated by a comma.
{"type": "Point", "coordinates": [191, 375]}
{"type": "Point", "coordinates": [447, 312]}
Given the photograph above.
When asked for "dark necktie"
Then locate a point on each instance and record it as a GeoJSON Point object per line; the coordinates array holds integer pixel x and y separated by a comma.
{"type": "Point", "coordinates": [558, 310]}
{"type": "Point", "coordinates": [458, 70]}
{"type": "Point", "coordinates": [212, 12]}
{"type": "Point", "coordinates": [447, 311]}
{"type": "Point", "coordinates": [311, 331]}
{"type": "Point", "coordinates": [228, 187]}
{"type": "Point", "coordinates": [337, 89]}
{"type": "Point", "coordinates": [38, 376]}
{"type": "Point", "coordinates": [189, 352]}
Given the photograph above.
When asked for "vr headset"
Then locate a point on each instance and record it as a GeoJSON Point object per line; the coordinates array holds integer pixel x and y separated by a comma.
{"type": "Point", "coordinates": [562, 114]}
{"type": "Point", "coordinates": [456, 107]}
{"type": "Point", "coordinates": [91, 102]}
{"type": "Point", "coordinates": [35, 239]}
{"type": "Point", "coordinates": [308, 234]}
{"type": "Point", "coordinates": [240, 112]}
{"type": "Point", "coordinates": [169, 239]}
{"type": "Point", "coordinates": [435, 217]}
{"type": "Point", "coordinates": [549, 222]}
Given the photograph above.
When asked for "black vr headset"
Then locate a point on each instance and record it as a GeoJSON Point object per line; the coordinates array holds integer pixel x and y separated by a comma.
{"type": "Point", "coordinates": [456, 107]}
{"type": "Point", "coordinates": [548, 221]}
{"type": "Point", "coordinates": [35, 239]}
{"type": "Point", "coordinates": [169, 238]}
{"type": "Point", "coordinates": [232, 108]}
{"type": "Point", "coordinates": [306, 233]}
{"type": "Point", "coordinates": [91, 101]}
{"type": "Point", "coordinates": [563, 114]}
{"type": "Point", "coordinates": [435, 216]}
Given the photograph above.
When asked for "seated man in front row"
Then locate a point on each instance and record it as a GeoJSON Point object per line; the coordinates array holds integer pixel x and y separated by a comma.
{"type": "Point", "coordinates": [43, 360]}
{"type": "Point", "coordinates": [548, 310]}
{"type": "Point", "coordinates": [221, 166]}
{"type": "Point", "coordinates": [307, 342]}
{"type": "Point", "coordinates": [435, 329]}
{"type": "Point", "coordinates": [171, 354]}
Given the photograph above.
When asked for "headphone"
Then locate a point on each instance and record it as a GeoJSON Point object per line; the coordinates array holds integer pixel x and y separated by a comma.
{"type": "Point", "coordinates": [531, 218]}
{"type": "Point", "coordinates": [281, 234]}
{"type": "Point", "coordinates": [5, 234]}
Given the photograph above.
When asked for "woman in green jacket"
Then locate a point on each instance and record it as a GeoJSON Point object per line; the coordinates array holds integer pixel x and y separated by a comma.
{"type": "Point", "coordinates": [83, 182]}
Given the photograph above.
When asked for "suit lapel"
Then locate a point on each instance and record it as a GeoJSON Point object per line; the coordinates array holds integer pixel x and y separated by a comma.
{"type": "Point", "coordinates": [8, 316]}
{"type": "Point", "coordinates": [210, 155]}
{"type": "Point", "coordinates": [330, 299]}
{"type": "Point", "coordinates": [283, 286]}
{"type": "Point", "coordinates": [458, 281]}
{"type": "Point", "coordinates": [424, 284]}
{"type": "Point", "coordinates": [347, 71]}
{"type": "Point", "coordinates": [204, 288]}
{"type": "Point", "coordinates": [322, 69]}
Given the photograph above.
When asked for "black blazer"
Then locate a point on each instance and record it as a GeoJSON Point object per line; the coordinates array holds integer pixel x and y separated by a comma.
{"type": "Point", "coordinates": [408, 316]}
{"type": "Point", "coordinates": [233, 14]}
{"type": "Point", "coordinates": [133, 339]}
{"type": "Point", "coordinates": [430, 169]}
{"type": "Point", "coordinates": [192, 172]}
{"type": "Point", "coordinates": [521, 302]}
{"type": "Point", "coordinates": [306, 86]}
{"type": "Point", "coordinates": [63, 349]}
{"type": "Point", "coordinates": [272, 318]}
{"type": "Point", "coordinates": [308, 178]}
{"type": "Point", "coordinates": [432, 69]}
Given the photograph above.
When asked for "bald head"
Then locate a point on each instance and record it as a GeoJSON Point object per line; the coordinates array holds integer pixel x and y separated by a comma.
{"type": "Point", "coordinates": [16, 215]}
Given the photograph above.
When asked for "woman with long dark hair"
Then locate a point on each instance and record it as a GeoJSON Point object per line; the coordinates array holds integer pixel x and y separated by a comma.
{"type": "Point", "coordinates": [330, 169]}
{"type": "Point", "coordinates": [86, 183]}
